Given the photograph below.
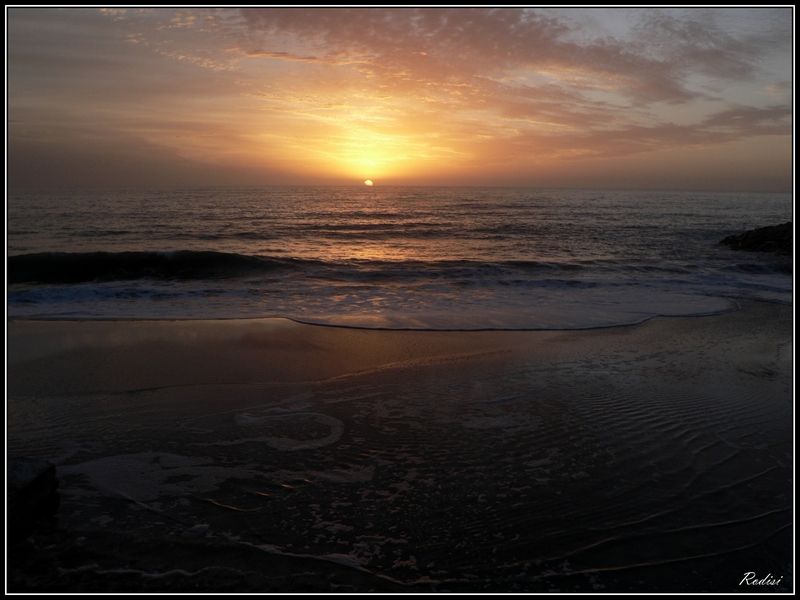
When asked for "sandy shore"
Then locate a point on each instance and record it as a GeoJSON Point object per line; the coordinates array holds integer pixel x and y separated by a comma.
{"type": "Point", "coordinates": [266, 455]}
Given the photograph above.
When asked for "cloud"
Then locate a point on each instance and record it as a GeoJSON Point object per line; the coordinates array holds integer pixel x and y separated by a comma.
{"type": "Point", "coordinates": [721, 128]}
{"type": "Point", "coordinates": [441, 44]}
{"type": "Point", "coordinates": [123, 161]}
{"type": "Point", "coordinates": [697, 45]}
{"type": "Point", "coordinates": [309, 91]}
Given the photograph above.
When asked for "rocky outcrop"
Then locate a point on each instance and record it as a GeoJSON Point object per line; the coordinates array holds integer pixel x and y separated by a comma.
{"type": "Point", "coordinates": [31, 495]}
{"type": "Point", "coordinates": [775, 238]}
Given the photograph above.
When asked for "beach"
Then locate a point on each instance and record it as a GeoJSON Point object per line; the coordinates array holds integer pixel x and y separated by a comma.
{"type": "Point", "coordinates": [271, 455]}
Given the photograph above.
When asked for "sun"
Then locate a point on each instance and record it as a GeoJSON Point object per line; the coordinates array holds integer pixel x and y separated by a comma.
{"type": "Point", "coordinates": [368, 182]}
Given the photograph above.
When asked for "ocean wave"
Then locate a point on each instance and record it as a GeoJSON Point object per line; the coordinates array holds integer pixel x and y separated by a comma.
{"type": "Point", "coordinates": [186, 265]}
{"type": "Point", "coordinates": [82, 267]}
{"type": "Point", "coordinates": [79, 267]}
{"type": "Point", "coordinates": [784, 267]}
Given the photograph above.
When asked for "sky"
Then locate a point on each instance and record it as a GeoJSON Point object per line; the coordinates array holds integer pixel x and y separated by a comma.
{"type": "Point", "coordinates": [581, 98]}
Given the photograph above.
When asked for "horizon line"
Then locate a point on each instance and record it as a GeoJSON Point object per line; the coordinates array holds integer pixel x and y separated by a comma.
{"type": "Point", "coordinates": [377, 186]}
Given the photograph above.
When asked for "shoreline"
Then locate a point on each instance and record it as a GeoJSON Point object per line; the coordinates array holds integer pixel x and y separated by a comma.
{"type": "Point", "coordinates": [268, 455]}
{"type": "Point", "coordinates": [736, 304]}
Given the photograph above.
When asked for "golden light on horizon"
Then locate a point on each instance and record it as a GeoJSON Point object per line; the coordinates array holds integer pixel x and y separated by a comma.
{"type": "Point", "coordinates": [368, 182]}
{"type": "Point", "coordinates": [360, 150]}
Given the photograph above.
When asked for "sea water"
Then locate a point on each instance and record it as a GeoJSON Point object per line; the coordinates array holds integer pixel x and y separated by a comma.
{"type": "Point", "coordinates": [395, 257]}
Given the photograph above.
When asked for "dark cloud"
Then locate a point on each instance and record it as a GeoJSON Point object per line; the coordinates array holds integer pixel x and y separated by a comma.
{"type": "Point", "coordinates": [122, 161]}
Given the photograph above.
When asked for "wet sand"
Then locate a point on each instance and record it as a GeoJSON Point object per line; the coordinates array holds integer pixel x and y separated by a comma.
{"type": "Point", "coordinates": [267, 455]}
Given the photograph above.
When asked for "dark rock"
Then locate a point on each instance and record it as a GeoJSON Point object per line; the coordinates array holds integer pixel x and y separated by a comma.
{"type": "Point", "coordinates": [775, 238]}
{"type": "Point", "coordinates": [31, 495]}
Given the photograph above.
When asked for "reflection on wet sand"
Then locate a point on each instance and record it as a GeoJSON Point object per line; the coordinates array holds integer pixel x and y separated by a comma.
{"type": "Point", "coordinates": [268, 455]}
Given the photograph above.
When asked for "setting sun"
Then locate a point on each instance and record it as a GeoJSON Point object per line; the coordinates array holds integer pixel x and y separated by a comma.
{"type": "Point", "coordinates": [368, 182]}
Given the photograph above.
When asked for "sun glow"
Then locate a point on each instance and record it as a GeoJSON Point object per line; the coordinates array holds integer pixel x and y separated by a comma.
{"type": "Point", "coordinates": [380, 145]}
{"type": "Point", "coordinates": [379, 154]}
{"type": "Point", "coordinates": [368, 182]}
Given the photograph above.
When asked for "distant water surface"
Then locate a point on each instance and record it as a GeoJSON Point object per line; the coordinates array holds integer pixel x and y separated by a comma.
{"type": "Point", "coordinates": [465, 258]}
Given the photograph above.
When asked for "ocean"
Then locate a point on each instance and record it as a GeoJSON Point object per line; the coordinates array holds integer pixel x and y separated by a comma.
{"type": "Point", "coordinates": [389, 257]}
